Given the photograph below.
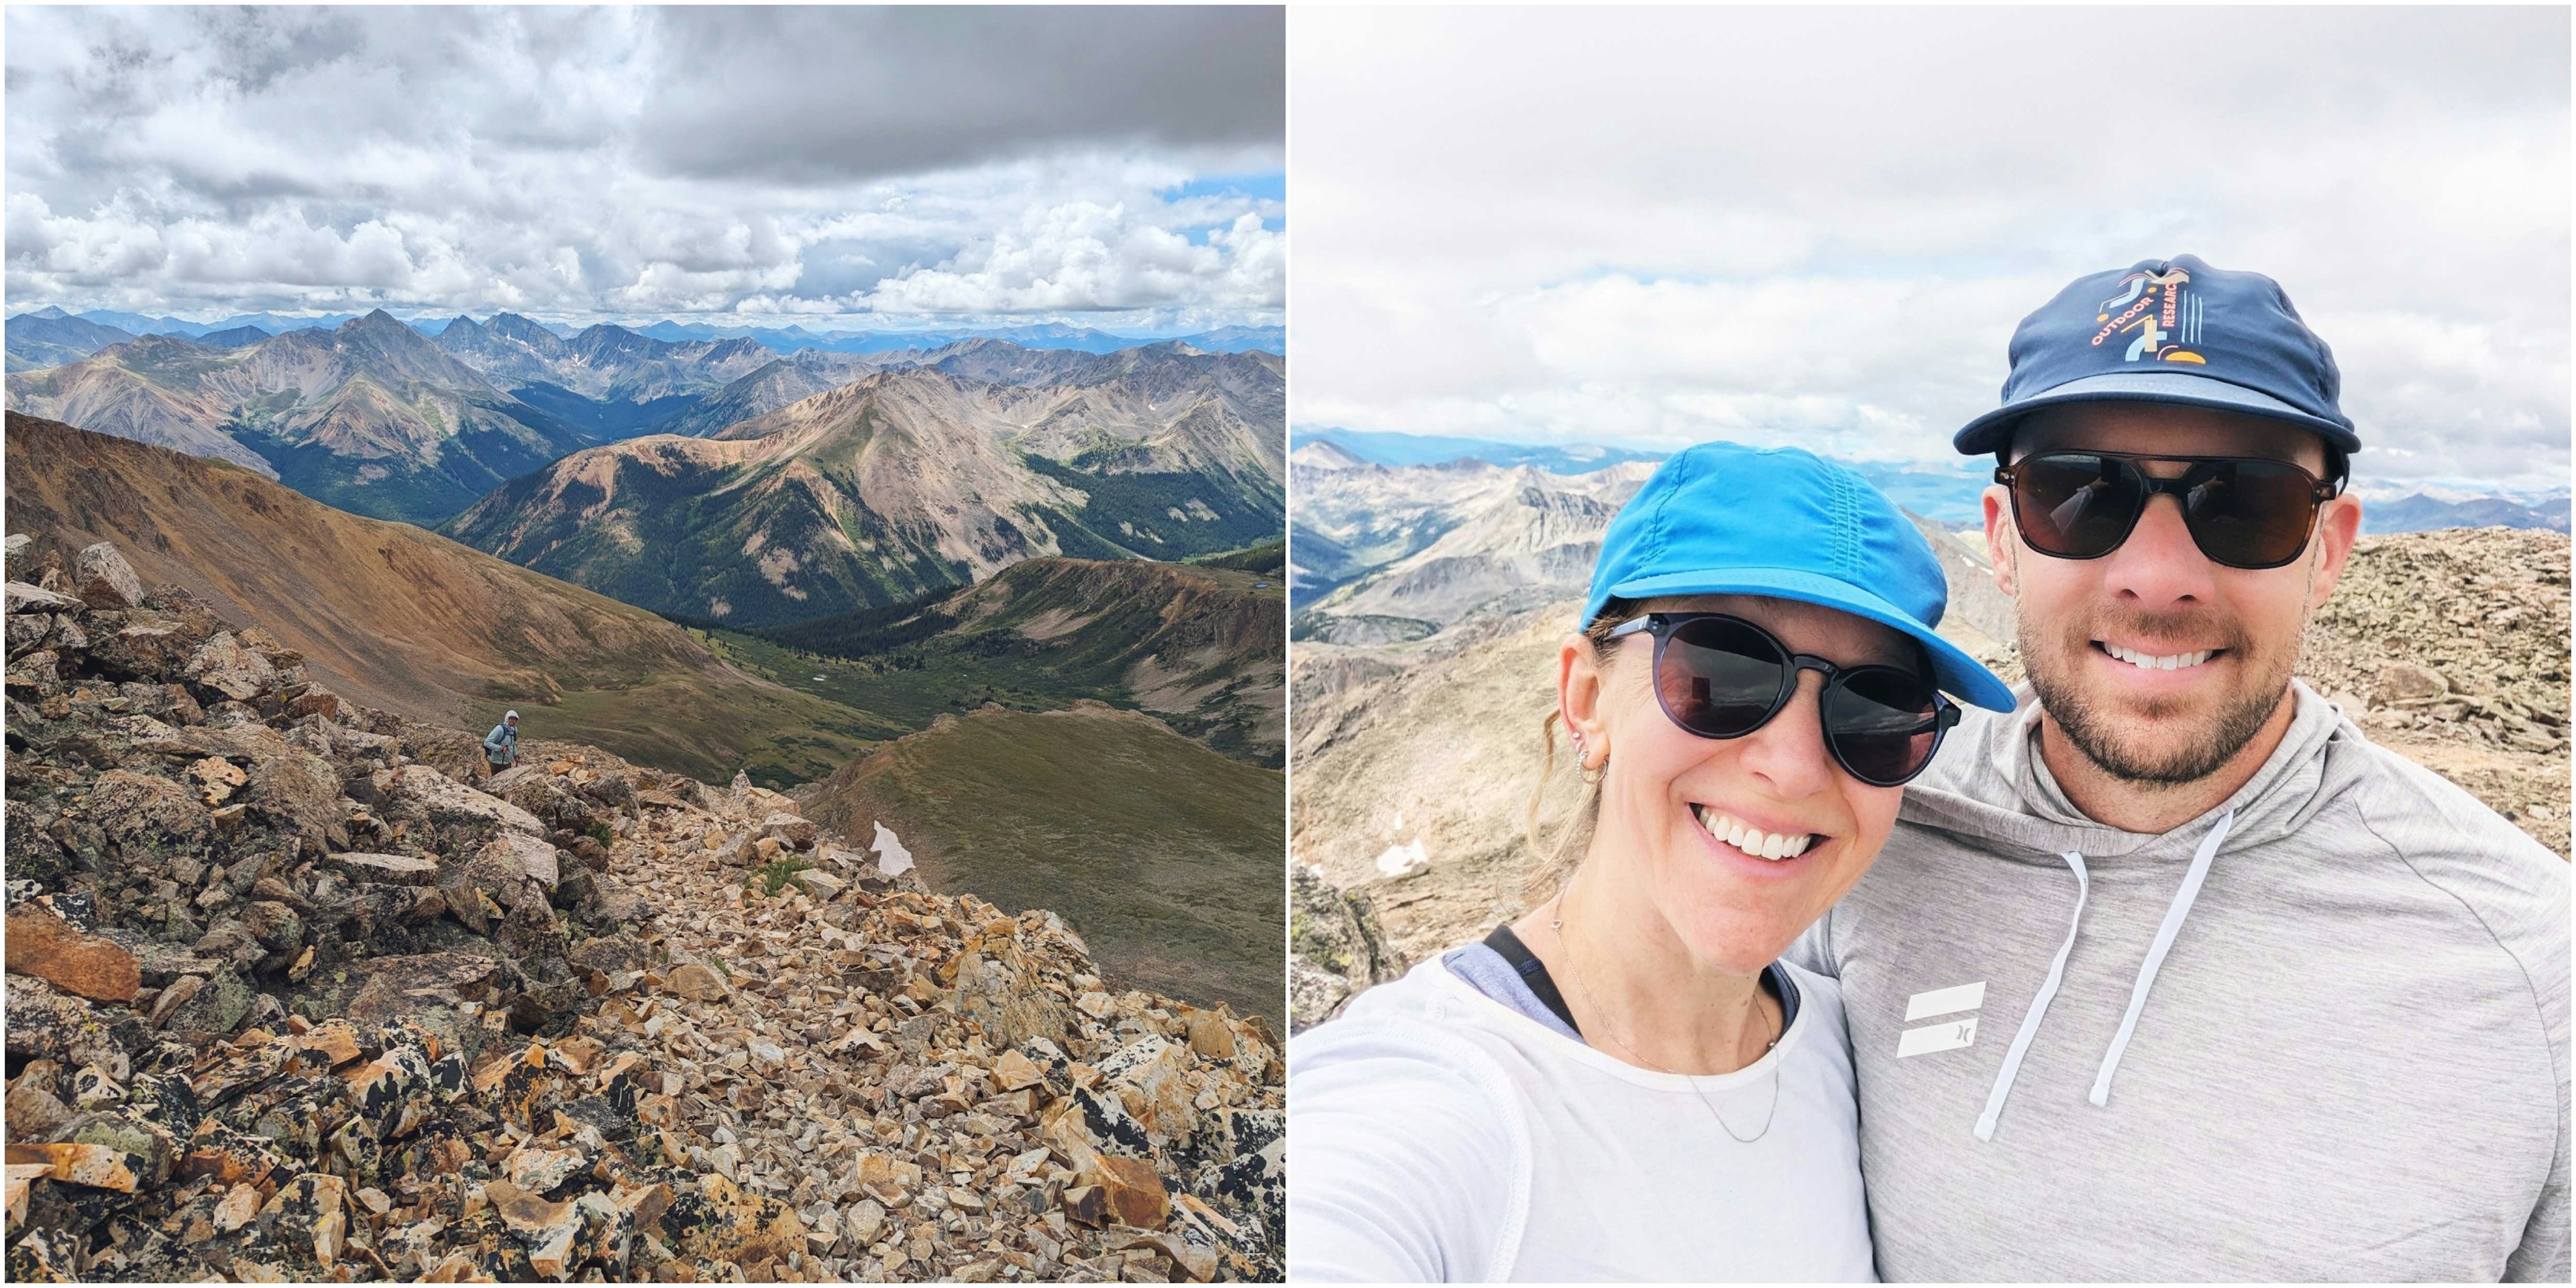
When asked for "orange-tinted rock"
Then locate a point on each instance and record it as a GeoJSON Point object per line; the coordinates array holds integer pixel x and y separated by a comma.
{"type": "Point", "coordinates": [1133, 1192]}
{"type": "Point", "coordinates": [48, 948]}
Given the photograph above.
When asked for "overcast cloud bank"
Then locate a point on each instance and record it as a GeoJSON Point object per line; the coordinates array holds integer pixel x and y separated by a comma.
{"type": "Point", "coordinates": [1660, 226]}
{"type": "Point", "coordinates": [1118, 168]}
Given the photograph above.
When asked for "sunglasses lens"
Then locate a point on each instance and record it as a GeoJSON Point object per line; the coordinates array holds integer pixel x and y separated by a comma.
{"type": "Point", "coordinates": [1718, 678]}
{"type": "Point", "coordinates": [1883, 725]}
{"type": "Point", "coordinates": [2250, 514]}
{"type": "Point", "coordinates": [2073, 505]}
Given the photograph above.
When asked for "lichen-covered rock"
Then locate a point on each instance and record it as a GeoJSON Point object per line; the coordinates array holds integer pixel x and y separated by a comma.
{"type": "Point", "coordinates": [148, 808]}
{"type": "Point", "coordinates": [1336, 948]}
{"type": "Point", "coordinates": [102, 578]}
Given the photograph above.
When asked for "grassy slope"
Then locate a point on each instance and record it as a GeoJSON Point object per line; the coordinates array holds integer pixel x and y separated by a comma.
{"type": "Point", "coordinates": [1044, 634]}
{"type": "Point", "coordinates": [1161, 853]}
{"type": "Point", "coordinates": [394, 617]}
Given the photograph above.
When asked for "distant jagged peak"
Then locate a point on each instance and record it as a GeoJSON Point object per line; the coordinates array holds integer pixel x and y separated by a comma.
{"type": "Point", "coordinates": [1325, 454]}
{"type": "Point", "coordinates": [158, 346]}
{"type": "Point", "coordinates": [50, 311]}
{"type": "Point", "coordinates": [513, 326]}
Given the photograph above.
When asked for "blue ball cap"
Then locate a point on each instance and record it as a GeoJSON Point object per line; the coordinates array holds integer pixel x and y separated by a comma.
{"type": "Point", "coordinates": [1726, 519]}
{"type": "Point", "coordinates": [2172, 331]}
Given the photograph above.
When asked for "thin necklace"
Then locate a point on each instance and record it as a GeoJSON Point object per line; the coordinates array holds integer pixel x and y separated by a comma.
{"type": "Point", "coordinates": [1556, 926]}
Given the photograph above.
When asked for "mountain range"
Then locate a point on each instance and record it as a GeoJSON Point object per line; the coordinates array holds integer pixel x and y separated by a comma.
{"type": "Point", "coordinates": [912, 480]}
{"type": "Point", "coordinates": [370, 416]}
{"type": "Point", "coordinates": [1948, 493]}
{"type": "Point", "coordinates": [1380, 554]}
{"type": "Point", "coordinates": [397, 618]}
{"type": "Point", "coordinates": [376, 418]}
{"type": "Point", "coordinates": [789, 339]}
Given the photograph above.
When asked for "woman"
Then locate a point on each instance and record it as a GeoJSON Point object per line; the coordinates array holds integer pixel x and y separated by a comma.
{"type": "Point", "coordinates": [1627, 1083]}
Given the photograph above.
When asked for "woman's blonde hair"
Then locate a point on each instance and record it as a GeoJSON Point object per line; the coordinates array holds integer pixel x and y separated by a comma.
{"type": "Point", "coordinates": [1558, 859]}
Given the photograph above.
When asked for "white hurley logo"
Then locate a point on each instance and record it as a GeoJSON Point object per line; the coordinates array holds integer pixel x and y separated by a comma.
{"type": "Point", "coordinates": [1948, 1035]}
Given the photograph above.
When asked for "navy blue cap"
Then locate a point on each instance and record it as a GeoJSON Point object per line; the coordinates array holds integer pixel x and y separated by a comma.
{"type": "Point", "coordinates": [1726, 519]}
{"type": "Point", "coordinates": [2171, 331]}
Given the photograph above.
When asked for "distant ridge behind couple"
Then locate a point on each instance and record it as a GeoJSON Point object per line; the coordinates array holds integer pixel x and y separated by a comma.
{"type": "Point", "coordinates": [2153, 969]}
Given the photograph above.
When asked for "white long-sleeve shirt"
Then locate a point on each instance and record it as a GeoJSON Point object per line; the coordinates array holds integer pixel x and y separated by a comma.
{"type": "Point", "coordinates": [1437, 1135]}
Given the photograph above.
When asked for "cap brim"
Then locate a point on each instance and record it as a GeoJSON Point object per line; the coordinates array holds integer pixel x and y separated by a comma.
{"type": "Point", "coordinates": [1994, 429]}
{"type": "Point", "coordinates": [1953, 670]}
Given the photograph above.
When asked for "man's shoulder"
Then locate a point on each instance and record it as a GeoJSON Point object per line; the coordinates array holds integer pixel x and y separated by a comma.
{"type": "Point", "coordinates": [2451, 838]}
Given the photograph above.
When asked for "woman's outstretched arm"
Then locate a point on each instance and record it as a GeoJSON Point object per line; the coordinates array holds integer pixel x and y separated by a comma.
{"type": "Point", "coordinates": [1408, 1158]}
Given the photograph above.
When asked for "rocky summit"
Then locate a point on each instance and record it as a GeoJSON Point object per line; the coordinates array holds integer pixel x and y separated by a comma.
{"type": "Point", "coordinates": [295, 991]}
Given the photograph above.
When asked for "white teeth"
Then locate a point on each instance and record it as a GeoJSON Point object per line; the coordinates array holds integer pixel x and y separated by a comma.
{"type": "Point", "coordinates": [1753, 840]}
{"type": "Point", "coordinates": [2151, 662]}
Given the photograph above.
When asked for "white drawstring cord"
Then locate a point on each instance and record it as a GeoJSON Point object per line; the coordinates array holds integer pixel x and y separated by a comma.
{"type": "Point", "coordinates": [2165, 932]}
{"type": "Point", "coordinates": [2038, 1007]}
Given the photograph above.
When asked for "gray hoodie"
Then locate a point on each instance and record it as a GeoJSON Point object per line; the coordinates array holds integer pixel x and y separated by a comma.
{"type": "Point", "coordinates": [2331, 1045]}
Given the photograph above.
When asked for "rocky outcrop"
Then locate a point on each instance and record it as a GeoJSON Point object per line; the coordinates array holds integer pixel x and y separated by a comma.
{"type": "Point", "coordinates": [286, 999]}
{"type": "Point", "coordinates": [1336, 949]}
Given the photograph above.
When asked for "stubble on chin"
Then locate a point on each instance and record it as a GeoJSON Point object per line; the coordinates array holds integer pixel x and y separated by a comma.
{"type": "Point", "coordinates": [2165, 742]}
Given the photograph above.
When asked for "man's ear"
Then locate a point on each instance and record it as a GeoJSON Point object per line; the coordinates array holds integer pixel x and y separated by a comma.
{"type": "Point", "coordinates": [2338, 526]}
{"type": "Point", "coordinates": [2000, 542]}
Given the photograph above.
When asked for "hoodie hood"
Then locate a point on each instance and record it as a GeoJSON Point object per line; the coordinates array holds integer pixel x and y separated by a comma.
{"type": "Point", "coordinates": [1990, 784]}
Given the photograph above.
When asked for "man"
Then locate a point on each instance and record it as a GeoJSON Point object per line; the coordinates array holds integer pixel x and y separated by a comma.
{"type": "Point", "coordinates": [501, 746]}
{"type": "Point", "coordinates": [2171, 974]}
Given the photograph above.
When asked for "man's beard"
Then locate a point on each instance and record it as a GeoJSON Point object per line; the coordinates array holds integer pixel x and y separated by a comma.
{"type": "Point", "coordinates": [2206, 747]}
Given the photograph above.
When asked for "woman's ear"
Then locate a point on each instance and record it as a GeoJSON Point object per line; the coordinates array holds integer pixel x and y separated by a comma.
{"type": "Point", "coordinates": [1578, 699]}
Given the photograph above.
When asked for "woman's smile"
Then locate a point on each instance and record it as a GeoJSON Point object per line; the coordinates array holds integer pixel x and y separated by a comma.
{"type": "Point", "coordinates": [1750, 837]}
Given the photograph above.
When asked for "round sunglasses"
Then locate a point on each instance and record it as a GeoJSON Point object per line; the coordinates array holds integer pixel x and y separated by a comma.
{"type": "Point", "coordinates": [2242, 512]}
{"type": "Point", "coordinates": [1724, 677]}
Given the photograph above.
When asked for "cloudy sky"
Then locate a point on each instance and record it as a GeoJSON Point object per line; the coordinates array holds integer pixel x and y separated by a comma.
{"type": "Point", "coordinates": [1110, 167]}
{"type": "Point", "coordinates": [1820, 226]}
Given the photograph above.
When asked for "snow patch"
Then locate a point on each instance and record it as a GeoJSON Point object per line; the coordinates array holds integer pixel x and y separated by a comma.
{"type": "Point", "coordinates": [892, 859]}
{"type": "Point", "coordinates": [1403, 860]}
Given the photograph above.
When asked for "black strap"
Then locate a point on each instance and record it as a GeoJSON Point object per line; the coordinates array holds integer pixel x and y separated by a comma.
{"type": "Point", "coordinates": [1533, 972]}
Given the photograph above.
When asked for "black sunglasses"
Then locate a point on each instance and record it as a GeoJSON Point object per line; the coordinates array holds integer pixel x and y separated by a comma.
{"type": "Point", "coordinates": [2242, 512]}
{"type": "Point", "coordinates": [1724, 677]}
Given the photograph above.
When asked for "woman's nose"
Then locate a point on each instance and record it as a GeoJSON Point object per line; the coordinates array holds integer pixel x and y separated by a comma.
{"type": "Point", "coordinates": [1788, 752]}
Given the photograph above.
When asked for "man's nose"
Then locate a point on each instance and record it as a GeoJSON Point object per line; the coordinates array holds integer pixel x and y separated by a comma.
{"type": "Point", "coordinates": [2159, 566]}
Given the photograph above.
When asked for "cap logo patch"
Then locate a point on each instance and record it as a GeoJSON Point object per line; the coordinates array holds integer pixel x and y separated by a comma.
{"type": "Point", "coordinates": [2157, 308]}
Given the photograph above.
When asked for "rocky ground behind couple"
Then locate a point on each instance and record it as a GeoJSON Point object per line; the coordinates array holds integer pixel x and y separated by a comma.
{"type": "Point", "coordinates": [1415, 760]}
{"type": "Point", "coordinates": [292, 995]}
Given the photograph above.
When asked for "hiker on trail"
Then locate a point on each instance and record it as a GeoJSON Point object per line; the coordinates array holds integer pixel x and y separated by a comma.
{"type": "Point", "coordinates": [2171, 973]}
{"type": "Point", "coordinates": [501, 746]}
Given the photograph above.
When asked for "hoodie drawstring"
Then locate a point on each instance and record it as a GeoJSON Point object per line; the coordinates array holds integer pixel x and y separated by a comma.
{"type": "Point", "coordinates": [2165, 934]}
{"type": "Point", "coordinates": [2038, 1007]}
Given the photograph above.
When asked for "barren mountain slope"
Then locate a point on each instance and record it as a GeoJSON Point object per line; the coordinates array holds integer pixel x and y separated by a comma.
{"type": "Point", "coordinates": [399, 618]}
{"type": "Point", "coordinates": [871, 493]}
{"type": "Point", "coordinates": [2450, 646]}
{"type": "Point", "coordinates": [767, 388]}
